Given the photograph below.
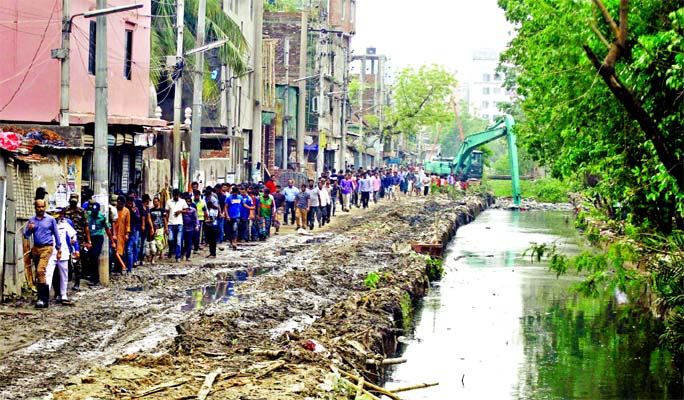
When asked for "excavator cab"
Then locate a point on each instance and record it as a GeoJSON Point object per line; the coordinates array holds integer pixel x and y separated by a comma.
{"type": "Point", "coordinates": [474, 167]}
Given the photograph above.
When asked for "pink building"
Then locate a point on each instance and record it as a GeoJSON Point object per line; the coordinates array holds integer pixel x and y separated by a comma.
{"type": "Point", "coordinates": [30, 77]}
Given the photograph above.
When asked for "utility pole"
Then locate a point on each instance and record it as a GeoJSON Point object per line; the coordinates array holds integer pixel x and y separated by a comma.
{"type": "Point", "coordinates": [225, 99]}
{"type": "Point", "coordinates": [258, 90]}
{"type": "Point", "coordinates": [343, 117]}
{"type": "Point", "coordinates": [320, 155]}
{"type": "Point", "coordinates": [65, 70]}
{"type": "Point", "coordinates": [178, 93]}
{"type": "Point", "coordinates": [301, 112]}
{"type": "Point", "coordinates": [100, 151]}
{"type": "Point", "coordinates": [286, 117]}
{"type": "Point", "coordinates": [197, 92]}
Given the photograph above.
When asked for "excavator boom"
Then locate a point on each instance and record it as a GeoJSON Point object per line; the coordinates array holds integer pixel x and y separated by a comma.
{"type": "Point", "coordinates": [504, 127]}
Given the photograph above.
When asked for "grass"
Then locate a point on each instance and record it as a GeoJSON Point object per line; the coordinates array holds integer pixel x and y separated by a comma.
{"type": "Point", "coordinates": [547, 190]}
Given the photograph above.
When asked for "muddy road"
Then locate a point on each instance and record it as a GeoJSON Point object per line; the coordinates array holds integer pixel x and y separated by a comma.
{"type": "Point", "coordinates": [275, 319]}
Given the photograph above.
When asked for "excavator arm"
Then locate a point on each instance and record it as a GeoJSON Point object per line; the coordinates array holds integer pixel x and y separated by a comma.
{"type": "Point", "coordinates": [501, 128]}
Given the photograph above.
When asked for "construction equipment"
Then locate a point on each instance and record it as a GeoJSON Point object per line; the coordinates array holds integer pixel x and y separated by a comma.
{"type": "Point", "coordinates": [468, 162]}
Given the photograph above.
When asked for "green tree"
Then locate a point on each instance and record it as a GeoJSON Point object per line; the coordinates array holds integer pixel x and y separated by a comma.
{"type": "Point", "coordinates": [219, 26]}
{"type": "Point", "coordinates": [420, 98]}
{"type": "Point", "coordinates": [603, 101]}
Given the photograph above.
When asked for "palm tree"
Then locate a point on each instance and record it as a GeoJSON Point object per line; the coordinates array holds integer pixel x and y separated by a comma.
{"type": "Point", "coordinates": [219, 26]}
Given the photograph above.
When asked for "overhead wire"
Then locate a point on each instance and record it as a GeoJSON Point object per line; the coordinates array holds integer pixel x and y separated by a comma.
{"type": "Point", "coordinates": [33, 60]}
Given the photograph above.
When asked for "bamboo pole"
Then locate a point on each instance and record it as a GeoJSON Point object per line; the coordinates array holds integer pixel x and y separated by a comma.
{"type": "Point", "coordinates": [371, 386]}
{"type": "Point", "coordinates": [418, 386]}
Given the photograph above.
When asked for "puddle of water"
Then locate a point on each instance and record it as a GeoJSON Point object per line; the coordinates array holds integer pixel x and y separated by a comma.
{"type": "Point", "coordinates": [505, 328]}
{"type": "Point", "coordinates": [223, 290]}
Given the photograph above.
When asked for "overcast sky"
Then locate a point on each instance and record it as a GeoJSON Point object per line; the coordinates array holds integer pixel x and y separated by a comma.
{"type": "Point", "coordinates": [417, 32]}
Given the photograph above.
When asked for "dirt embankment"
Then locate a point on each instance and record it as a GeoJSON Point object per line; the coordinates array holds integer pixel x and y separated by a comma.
{"type": "Point", "coordinates": [280, 320]}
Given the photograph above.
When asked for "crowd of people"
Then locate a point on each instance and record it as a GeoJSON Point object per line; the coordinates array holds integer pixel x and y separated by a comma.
{"type": "Point", "coordinates": [177, 226]}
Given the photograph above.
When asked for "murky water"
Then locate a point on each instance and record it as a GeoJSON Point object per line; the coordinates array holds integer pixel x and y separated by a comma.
{"type": "Point", "coordinates": [500, 327]}
{"type": "Point", "coordinates": [223, 290]}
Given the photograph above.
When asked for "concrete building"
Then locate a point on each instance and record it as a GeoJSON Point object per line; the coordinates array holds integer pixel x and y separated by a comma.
{"type": "Point", "coordinates": [371, 101]}
{"type": "Point", "coordinates": [319, 45]}
{"type": "Point", "coordinates": [30, 77]}
{"type": "Point", "coordinates": [486, 89]}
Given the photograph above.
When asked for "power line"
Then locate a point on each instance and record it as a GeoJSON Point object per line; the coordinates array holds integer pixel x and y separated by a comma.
{"type": "Point", "coordinates": [35, 55]}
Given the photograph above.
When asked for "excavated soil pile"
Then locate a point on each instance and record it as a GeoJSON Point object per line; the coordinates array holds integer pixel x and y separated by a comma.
{"type": "Point", "coordinates": [327, 312]}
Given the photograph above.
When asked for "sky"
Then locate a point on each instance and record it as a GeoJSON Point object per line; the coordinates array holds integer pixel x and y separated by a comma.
{"type": "Point", "coordinates": [417, 32]}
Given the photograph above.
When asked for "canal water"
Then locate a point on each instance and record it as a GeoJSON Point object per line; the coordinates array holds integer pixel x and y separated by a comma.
{"type": "Point", "coordinates": [499, 326]}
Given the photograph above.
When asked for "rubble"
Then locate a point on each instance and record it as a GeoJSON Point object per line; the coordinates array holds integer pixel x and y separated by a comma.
{"type": "Point", "coordinates": [290, 318]}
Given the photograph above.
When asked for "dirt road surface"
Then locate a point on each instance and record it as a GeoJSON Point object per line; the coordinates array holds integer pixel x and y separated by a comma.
{"type": "Point", "coordinates": [273, 320]}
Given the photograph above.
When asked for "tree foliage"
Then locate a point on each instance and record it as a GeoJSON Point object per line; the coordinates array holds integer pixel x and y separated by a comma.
{"type": "Point", "coordinates": [420, 98]}
{"type": "Point", "coordinates": [600, 83]}
{"type": "Point", "coordinates": [218, 25]}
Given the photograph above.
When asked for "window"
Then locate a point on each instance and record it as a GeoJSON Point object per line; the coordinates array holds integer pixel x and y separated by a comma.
{"type": "Point", "coordinates": [128, 54]}
{"type": "Point", "coordinates": [485, 90]}
{"type": "Point", "coordinates": [497, 90]}
{"type": "Point", "coordinates": [485, 104]}
{"type": "Point", "coordinates": [344, 9]}
{"type": "Point", "coordinates": [352, 11]}
{"type": "Point", "coordinates": [251, 9]}
{"type": "Point", "coordinates": [486, 78]}
{"type": "Point", "coordinates": [91, 48]}
{"type": "Point", "coordinates": [485, 116]}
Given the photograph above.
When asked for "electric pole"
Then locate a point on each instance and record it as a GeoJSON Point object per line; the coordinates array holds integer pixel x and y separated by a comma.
{"type": "Point", "coordinates": [320, 154]}
{"type": "Point", "coordinates": [64, 65]}
{"type": "Point", "coordinates": [178, 93]}
{"type": "Point", "coordinates": [100, 150]}
{"type": "Point", "coordinates": [286, 117]}
{"type": "Point", "coordinates": [197, 93]}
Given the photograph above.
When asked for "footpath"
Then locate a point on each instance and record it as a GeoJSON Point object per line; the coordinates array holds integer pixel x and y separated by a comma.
{"type": "Point", "coordinates": [295, 317]}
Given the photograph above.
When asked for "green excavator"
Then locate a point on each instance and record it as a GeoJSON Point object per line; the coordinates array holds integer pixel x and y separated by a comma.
{"type": "Point", "coordinates": [468, 162]}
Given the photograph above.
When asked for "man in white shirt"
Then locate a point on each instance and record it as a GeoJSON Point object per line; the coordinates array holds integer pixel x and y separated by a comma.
{"type": "Point", "coordinates": [173, 223]}
{"type": "Point", "coordinates": [324, 196]}
{"type": "Point", "coordinates": [315, 204]}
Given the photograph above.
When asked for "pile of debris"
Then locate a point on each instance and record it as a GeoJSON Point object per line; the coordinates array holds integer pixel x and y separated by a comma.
{"type": "Point", "coordinates": [317, 329]}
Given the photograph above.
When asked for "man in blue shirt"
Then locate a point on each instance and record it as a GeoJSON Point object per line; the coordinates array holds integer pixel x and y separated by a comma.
{"type": "Point", "coordinates": [233, 209]}
{"type": "Point", "coordinates": [45, 236]}
{"type": "Point", "coordinates": [247, 205]}
{"type": "Point", "coordinates": [290, 193]}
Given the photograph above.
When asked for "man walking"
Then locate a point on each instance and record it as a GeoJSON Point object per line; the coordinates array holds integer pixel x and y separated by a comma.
{"type": "Point", "coordinates": [303, 205]}
{"type": "Point", "coordinates": [315, 204]}
{"type": "Point", "coordinates": [201, 207]}
{"type": "Point", "coordinates": [79, 218]}
{"type": "Point", "coordinates": [69, 241]}
{"type": "Point", "coordinates": [122, 229]}
{"type": "Point", "coordinates": [346, 186]}
{"type": "Point", "coordinates": [173, 223]}
{"type": "Point", "coordinates": [266, 206]}
{"type": "Point", "coordinates": [290, 193]}
{"type": "Point", "coordinates": [98, 226]}
{"type": "Point", "coordinates": [43, 228]}
{"type": "Point", "coordinates": [365, 188]}
{"type": "Point", "coordinates": [233, 207]}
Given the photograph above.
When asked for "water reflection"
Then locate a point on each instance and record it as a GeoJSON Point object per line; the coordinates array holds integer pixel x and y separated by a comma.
{"type": "Point", "coordinates": [223, 290]}
{"type": "Point", "coordinates": [499, 326]}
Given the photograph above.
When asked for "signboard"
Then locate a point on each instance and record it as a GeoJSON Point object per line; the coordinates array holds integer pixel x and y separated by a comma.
{"type": "Point", "coordinates": [393, 161]}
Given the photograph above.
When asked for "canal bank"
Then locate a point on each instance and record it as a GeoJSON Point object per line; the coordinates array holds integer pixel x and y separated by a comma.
{"type": "Point", "coordinates": [273, 321]}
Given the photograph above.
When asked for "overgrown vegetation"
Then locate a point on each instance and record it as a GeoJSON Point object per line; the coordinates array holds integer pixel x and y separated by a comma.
{"type": "Point", "coordinates": [600, 100]}
{"type": "Point", "coordinates": [434, 267]}
{"type": "Point", "coordinates": [638, 263]}
{"type": "Point", "coordinates": [546, 190]}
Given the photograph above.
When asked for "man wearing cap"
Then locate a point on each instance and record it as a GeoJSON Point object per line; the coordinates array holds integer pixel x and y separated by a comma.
{"type": "Point", "coordinates": [69, 242]}
{"type": "Point", "coordinates": [78, 217]}
{"type": "Point", "coordinates": [173, 223]}
{"type": "Point", "coordinates": [98, 226]}
{"type": "Point", "coordinates": [43, 228]}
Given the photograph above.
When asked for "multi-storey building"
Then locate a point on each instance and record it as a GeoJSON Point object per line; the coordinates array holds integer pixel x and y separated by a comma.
{"type": "Point", "coordinates": [486, 91]}
{"type": "Point", "coordinates": [371, 100]}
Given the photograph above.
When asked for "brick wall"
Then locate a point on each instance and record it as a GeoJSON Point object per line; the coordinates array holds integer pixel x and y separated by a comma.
{"type": "Point", "coordinates": [278, 25]}
{"type": "Point", "coordinates": [335, 18]}
{"type": "Point", "coordinates": [221, 150]}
